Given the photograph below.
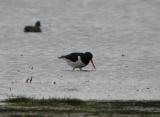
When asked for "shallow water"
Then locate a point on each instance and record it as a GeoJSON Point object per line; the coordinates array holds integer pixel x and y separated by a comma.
{"type": "Point", "coordinates": [123, 35]}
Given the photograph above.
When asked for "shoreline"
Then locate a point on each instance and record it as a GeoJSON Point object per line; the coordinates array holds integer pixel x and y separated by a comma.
{"type": "Point", "coordinates": [79, 106]}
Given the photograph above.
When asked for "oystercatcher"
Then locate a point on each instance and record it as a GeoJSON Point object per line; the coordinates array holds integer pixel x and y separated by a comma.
{"type": "Point", "coordinates": [78, 60]}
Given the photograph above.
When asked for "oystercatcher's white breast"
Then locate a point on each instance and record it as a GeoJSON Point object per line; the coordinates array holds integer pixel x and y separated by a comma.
{"type": "Point", "coordinates": [77, 64]}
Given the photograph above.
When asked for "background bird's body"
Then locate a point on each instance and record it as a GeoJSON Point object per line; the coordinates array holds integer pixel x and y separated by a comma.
{"type": "Point", "coordinates": [32, 29]}
{"type": "Point", "coordinates": [35, 28]}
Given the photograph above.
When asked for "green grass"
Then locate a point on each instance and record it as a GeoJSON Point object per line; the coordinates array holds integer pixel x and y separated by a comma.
{"type": "Point", "coordinates": [23, 101]}
{"type": "Point", "coordinates": [130, 106]}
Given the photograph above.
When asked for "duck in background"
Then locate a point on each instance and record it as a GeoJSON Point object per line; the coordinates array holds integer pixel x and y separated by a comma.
{"type": "Point", "coordinates": [36, 28]}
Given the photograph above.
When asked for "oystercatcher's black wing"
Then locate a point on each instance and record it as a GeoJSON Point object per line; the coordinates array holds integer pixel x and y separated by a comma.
{"type": "Point", "coordinates": [72, 57]}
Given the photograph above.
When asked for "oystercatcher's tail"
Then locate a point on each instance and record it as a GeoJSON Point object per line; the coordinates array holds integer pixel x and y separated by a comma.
{"type": "Point", "coordinates": [61, 57]}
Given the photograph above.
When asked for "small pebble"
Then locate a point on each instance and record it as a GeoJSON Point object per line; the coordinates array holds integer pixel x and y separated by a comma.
{"type": "Point", "coordinates": [123, 55]}
{"type": "Point", "coordinates": [32, 68]}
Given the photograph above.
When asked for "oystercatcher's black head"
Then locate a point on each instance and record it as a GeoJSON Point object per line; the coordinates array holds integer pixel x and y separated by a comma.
{"type": "Point", "coordinates": [88, 55]}
{"type": "Point", "coordinates": [88, 58]}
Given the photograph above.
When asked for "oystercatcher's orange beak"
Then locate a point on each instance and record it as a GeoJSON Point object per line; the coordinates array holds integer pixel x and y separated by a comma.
{"type": "Point", "coordinates": [93, 64]}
